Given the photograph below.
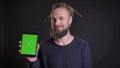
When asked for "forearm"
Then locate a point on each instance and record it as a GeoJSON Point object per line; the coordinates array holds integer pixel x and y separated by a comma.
{"type": "Point", "coordinates": [35, 64]}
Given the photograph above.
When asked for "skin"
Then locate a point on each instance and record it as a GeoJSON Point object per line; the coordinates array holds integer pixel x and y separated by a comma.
{"type": "Point", "coordinates": [60, 21]}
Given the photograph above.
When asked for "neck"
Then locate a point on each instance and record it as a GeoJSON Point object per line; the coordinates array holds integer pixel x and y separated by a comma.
{"type": "Point", "coordinates": [64, 40]}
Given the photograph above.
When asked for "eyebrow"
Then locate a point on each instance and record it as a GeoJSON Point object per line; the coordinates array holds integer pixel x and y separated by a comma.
{"type": "Point", "coordinates": [61, 17]}
{"type": "Point", "coordinates": [58, 17]}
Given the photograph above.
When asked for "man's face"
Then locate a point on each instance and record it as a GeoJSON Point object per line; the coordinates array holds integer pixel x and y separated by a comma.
{"type": "Point", "coordinates": [60, 22]}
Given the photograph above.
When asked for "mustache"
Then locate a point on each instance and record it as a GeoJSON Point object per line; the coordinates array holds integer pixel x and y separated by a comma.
{"type": "Point", "coordinates": [56, 26]}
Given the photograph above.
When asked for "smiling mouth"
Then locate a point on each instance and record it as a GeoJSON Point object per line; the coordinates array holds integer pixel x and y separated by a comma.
{"type": "Point", "coordinates": [58, 26]}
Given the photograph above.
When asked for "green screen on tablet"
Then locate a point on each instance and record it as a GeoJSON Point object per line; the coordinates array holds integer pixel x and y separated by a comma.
{"type": "Point", "coordinates": [29, 42]}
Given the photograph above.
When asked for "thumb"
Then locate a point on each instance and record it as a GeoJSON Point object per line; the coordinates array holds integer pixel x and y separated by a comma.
{"type": "Point", "coordinates": [38, 46]}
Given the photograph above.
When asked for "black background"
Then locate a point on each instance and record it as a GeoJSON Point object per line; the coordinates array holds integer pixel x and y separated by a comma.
{"type": "Point", "coordinates": [99, 26]}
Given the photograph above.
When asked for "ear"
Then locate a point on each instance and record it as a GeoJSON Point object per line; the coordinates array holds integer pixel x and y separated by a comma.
{"type": "Point", "coordinates": [70, 20]}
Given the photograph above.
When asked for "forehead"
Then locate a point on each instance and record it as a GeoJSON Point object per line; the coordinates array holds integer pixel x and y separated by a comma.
{"type": "Point", "coordinates": [59, 12]}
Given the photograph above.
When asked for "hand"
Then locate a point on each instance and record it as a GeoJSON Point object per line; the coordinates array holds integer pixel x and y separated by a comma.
{"type": "Point", "coordinates": [31, 59]}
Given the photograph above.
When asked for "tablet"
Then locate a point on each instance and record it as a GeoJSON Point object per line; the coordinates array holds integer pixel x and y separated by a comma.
{"type": "Point", "coordinates": [29, 44]}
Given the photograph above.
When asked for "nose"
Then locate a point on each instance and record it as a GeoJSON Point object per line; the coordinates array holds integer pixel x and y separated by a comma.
{"type": "Point", "coordinates": [57, 22]}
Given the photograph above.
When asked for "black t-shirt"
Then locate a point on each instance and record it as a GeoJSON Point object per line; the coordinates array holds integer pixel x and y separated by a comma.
{"type": "Point", "coordinates": [74, 55]}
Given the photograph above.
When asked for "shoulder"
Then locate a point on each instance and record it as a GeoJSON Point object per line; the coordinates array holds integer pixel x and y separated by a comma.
{"type": "Point", "coordinates": [46, 42]}
{"type": "Point", "coordinates": [81, 42]}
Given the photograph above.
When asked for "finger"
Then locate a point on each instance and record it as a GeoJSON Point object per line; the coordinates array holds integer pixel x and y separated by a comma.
{"type": "Point", "coordinates": [20, 41]}
{"type": "Point", "coordinates": [38, 46]}
{"type": "Point", "coordinates": [20, 46]}
{"type": "Point", "coordinates": [19, 51]}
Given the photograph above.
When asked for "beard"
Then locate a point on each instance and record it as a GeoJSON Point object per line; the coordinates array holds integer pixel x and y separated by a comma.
{"type": "Point", "coordinates": [58, 34]}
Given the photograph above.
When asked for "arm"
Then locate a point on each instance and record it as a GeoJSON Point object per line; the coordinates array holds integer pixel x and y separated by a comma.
{"type": "Point", "coordinates": [38, 62]}
{"type": "Point", "coordinates": [35, 64]}
{"type": "Point", "coordinates": [87, 57]}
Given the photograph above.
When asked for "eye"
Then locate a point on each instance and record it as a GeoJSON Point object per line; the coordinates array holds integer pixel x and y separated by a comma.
{"type": "Point", "coordinates": [61, 18]}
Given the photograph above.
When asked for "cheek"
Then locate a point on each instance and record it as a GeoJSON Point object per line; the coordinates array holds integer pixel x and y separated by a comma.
{"type": "Point", "coordinates": [66, 25]}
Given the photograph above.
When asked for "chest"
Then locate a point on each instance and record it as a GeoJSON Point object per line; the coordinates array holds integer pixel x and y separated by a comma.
{"type": "Point", "coordinates": [64, 57]}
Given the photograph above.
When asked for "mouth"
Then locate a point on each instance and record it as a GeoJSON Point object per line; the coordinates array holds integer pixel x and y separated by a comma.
{"type": "Point", "coordinates": [58, 27]}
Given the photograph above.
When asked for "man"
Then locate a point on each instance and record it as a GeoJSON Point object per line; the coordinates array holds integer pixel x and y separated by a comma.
{"type": "Point", "coordinates": [63, 50]}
